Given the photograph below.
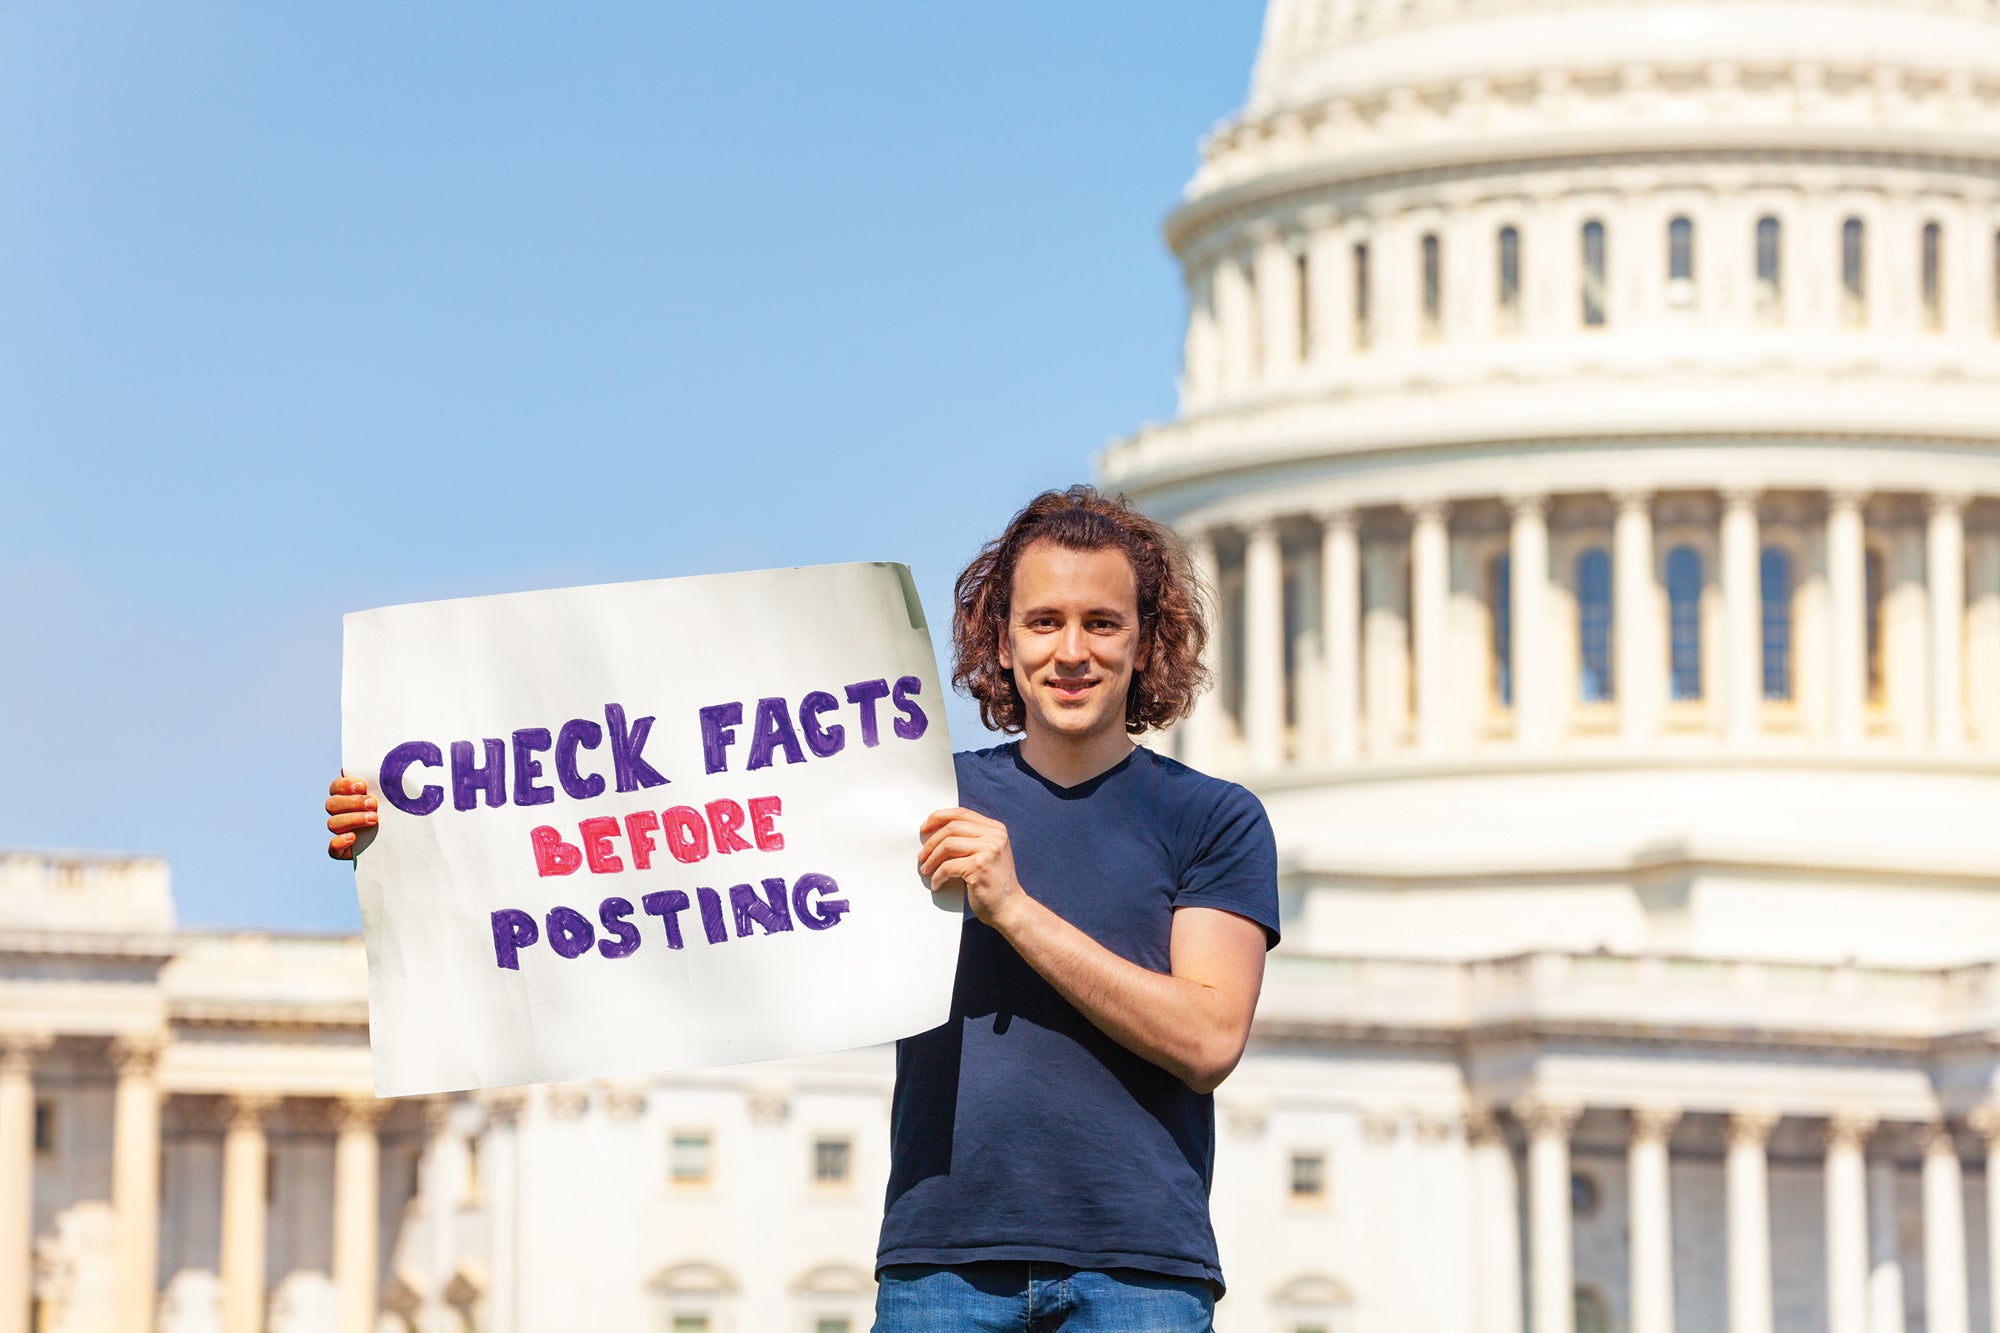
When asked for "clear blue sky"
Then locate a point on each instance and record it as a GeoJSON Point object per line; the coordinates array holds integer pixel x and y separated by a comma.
{"type": "Point", "coordinates": [312, 307]}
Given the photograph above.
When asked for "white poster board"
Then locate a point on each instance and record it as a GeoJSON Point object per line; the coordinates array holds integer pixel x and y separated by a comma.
{"type": "Point", "coordinates": [648, 826]}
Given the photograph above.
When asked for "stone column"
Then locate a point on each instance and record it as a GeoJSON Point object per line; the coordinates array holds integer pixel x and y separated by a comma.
{"type": "Point", "coordinates": [1885, 1259]}
{"type": "Point", "coordinates": [1551, 1269]}
{"type": "Point", "coordinates": [135, 1180]}
{"type": "Point", "coordinates": [1651, 1220]}
{"type": "Point", "coordinates": [1202, 732]}
{"type": "Point", "coordinates": [1528, 571]}
{"type": "Point", "coordinates": [1235, 316]}
{"type": "Point", "coordinates": [1264, 645]}
{"type": "Point", "coordinates": [440, 1171]}
{"type": "Point", "coordinates": [1430, 596]}
{"type": "Point", "coordinates": [1747, 1185]}
{"type": "Point", "coordinates": [1945, 575]}
{"type": "Point", "coordinates": [357, 1179]}
{"type": "Point", "coordinates": [502, 1157]}
{"type": "Point", "coordinates": [1496, 1238]}
{"type": "Point", "coordinates": [1278, 306]}
{"type": "Point", "coordinates": [1945, 1293]}
{"type": "Point", "coordinates": [1986, 1121]}
{"type": "Point", "coordinates": [1847, 587]}
{"type": "Point", "coordinates": [17, 1175]}
{"type": "Point", "coordinates": [244, 1163]}
{"type": "Point", "coordinates": [1340, 632]}
{"type": "Point", "coordinates": [1847, 1222]}
{"type": "Point", "coordinates": [1742, 615]}
{"type": "Point", "coordinates": [1635, 658]}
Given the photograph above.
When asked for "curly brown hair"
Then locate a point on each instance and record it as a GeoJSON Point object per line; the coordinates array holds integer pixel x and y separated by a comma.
{"type": "Point", "coordinates": [1173, 607]}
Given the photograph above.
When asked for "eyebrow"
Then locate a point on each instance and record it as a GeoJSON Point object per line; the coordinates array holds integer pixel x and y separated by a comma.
{"type": "Point", "coordinates": [1110, 612]}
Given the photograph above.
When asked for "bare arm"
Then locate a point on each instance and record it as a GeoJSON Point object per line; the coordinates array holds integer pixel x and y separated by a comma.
{"type": "Point", "coordinates": [1192, 1022]}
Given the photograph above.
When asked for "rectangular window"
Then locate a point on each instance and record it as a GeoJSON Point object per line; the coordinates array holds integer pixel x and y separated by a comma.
{"type": "Point", "coordinates": [1308, 1181]}
{"type": "Point", "coordinates": [1770, 279]}
{"type": "Point", "coordinates": [1853, 276]}
{"type": "Point", "coordinates": [1500, 597]}
{"type": "Point", "coordinates": [1362, 331]}
{"type": "Point", "coordinates": [833, 1162]}
{"type": "Point", "coordinates": [469, 1194]}
{"type": "Point", "coordinates": [690, 1323]}
{"type": "Point", "coordinates": [688, 1161]}
{"type": "Point", "coordinates": [1933, 278]}
{"type": "Point", "coordinates": [1305, 306]}
{"type": "Point", "coordinates": [1508, 312]}
{"type": "Point", "coordinates": [1776, 577]}
{"type": "Point", "coordinates": [833, 1323]}
{"type": "Point", "coordinates": [45, 1129]}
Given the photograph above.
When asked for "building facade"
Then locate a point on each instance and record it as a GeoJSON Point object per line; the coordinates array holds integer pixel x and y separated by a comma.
{"type": "Point", "coordinates": [1591, 426]}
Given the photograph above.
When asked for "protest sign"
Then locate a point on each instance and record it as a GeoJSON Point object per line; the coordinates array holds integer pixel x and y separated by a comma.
{"type": "Point", "coordinates": [648, 826]}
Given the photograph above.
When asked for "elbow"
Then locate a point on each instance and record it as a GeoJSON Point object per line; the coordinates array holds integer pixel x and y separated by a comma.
{"type": "Point", "coordinates": [1205, 1070]}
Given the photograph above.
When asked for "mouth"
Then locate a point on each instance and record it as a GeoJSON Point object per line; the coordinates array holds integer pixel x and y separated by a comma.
{"type": "Point", "coordinates": [1071, 689]}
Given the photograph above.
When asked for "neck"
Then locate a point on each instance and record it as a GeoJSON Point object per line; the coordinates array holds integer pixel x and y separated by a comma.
{"type": "Point", "coordinates": [1067, 761]}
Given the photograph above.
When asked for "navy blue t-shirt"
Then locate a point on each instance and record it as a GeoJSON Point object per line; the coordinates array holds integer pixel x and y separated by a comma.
{"type": "Point", "coordinates": [1020, 1131]}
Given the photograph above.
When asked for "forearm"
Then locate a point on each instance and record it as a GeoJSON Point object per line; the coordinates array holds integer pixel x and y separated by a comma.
{"type": "Point", "coordinates": [1181, 1025]}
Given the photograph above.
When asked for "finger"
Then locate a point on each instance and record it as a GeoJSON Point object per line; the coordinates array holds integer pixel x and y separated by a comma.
{"type": "Point", "coordinates": [340, 805]}
{"type": "Point", "coordinates": [346, 786]}
{"type": "Point", "coordinates": [939, 818]}
{"type": "Point", "coordinates": [351, 823]}
{"type": "Point", "coordinates": [960, 846]}
{"type": "Point", "coordinates": [960, 870]}
{"type": "Point", "coordinates": [341, 848]}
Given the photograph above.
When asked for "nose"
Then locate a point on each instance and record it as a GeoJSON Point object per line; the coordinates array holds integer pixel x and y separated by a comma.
{"type": "Point", "coordinates": [1071, 648]}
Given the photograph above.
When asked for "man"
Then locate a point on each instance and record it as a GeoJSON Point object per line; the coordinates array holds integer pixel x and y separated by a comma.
{"type": "Point", "coordinates": [1053, 1142]}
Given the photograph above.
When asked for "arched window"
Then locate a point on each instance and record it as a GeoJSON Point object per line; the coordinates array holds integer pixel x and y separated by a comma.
{"type": "Point", "coordinates": [1770, 275]}
{"type": "Point", "coordinates": [1853, 278]}
{"type": "Point", "coordinates": [1500, 597]}
{"type": "Point", "coordinates": [1303, 265]}
{"type": "Point", "coordinates": [1933, 288]}
{"type": "Point", "coordinates": [1684, 622]}
{"type": "Point", "coordinates": [1593, 275]}
{"type": "Point", "coordinates": [1361, 320]}
{"type": "Point", "coordinates": [1593, 623]}
{"type": "Point", "coordinates": [1433, 286]}
{"type": "Point", "coordinates": [1872, 591]}
{"type": "Point", "coordinates": [1680, 262]}
{"type": "Point", "coordinates": [1508, 299]}
{"type": "Point", "coordinates": [1253, 313]}
{"type": "Point", "coordinates": [1775, 579]}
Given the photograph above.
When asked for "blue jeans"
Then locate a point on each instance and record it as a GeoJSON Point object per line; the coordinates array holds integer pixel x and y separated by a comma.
{"type": "Point", "coordinates": [1038, 1298]}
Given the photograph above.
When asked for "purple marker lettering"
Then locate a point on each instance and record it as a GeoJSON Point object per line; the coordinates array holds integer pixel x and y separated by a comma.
{"type": "Point", "coordinates": [468, 779]}
{"type": "Point", "coordinates": [612, 912]}
{"type": "Point", "coordinates": [772, 730]}
{"type": "Point", "coordinates": [570, 934]}
{"type": "Point", "coordinates": [718, 722]}
{"type": "Point", "coordinates": [768, 912]}
{"type": "Point", "coordinates": [513, 931]}
{"type": "Point", "coordinates": [711, 916]}
{"type": "Point", "coordinates": [400, 761]}
{"type": "Point", "coordinates": [822, 741]}
{"type": "Point", "coordinates": [866, 694]}
{"type": "Point", "coordinates": [528, 743]}
{"type": "Point", "coordinates": [627, 743]}
{"type": "Point", "coordinates": [578, 731]}
{"type": "Point", "coordinates": [667, 904]}
{"type": "Point", "coordinates": [913, 723]}
{"type": "Point", "coordinates": [827, 911]}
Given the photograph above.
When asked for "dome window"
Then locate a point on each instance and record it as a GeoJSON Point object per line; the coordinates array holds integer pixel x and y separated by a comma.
{"type": "Point", "coordinates": [1433, 261]}
{"type": "Point", "coordinates": [1872, 590]}
{"type": "Point", "coordinates": [1684, 622]}
{"type": "Point", "coordinates": [1593, 624]}
{"type": "Point", "coordinates": [1933, 286]}
{"type": "Point", "coordinates": [1770, 276]}
{"type": "Point", "coordinates": [1500, 598]}
{"type": "Point", "coordinates": [1302, 265]}
{"type": "Point", "coordinates": [1680, 263]}
{"type": "Point", "coordinates": [1593, 275]}
{"type": "Point", "coordinates": [1507, 301]}
{"type": "Point", "coordinates": [1361, 321]}
{"type": "Point", "coordinates": [1853, 277]}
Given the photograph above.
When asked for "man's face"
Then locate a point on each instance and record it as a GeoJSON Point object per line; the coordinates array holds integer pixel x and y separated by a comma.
{"type": "Point", "coordinates": [1072, 639]}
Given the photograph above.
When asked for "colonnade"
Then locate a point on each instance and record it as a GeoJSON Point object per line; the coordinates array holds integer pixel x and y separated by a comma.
{"type": "Point", "coordinates": [1381, 663]}
{"type": "Point", "coordinates": [1859, 1214]}
{"type": "Point", "coordinates": [135, 1192]}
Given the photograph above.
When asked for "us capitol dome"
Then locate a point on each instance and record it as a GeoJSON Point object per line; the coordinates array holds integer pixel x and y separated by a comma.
{"type": "Point", "coordinates": [1590, 424]}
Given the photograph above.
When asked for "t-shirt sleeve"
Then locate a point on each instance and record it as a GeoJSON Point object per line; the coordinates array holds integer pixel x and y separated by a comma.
{"type": "Point", "coordinates": [1233, 862]}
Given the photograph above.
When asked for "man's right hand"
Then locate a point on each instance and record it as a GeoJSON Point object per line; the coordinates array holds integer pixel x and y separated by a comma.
{"type": "Point", "coordinates": [349, 809]}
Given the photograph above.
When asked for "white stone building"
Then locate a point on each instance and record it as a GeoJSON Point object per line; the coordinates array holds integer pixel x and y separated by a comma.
{"type": "Point", "coordinates": [1592, 417]}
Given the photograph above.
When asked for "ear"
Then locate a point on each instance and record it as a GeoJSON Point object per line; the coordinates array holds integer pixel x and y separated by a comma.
{"type": "Point", "coordinates": [1144, 657]}
{"type": "Point", "coordinates": [1006, 650]}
